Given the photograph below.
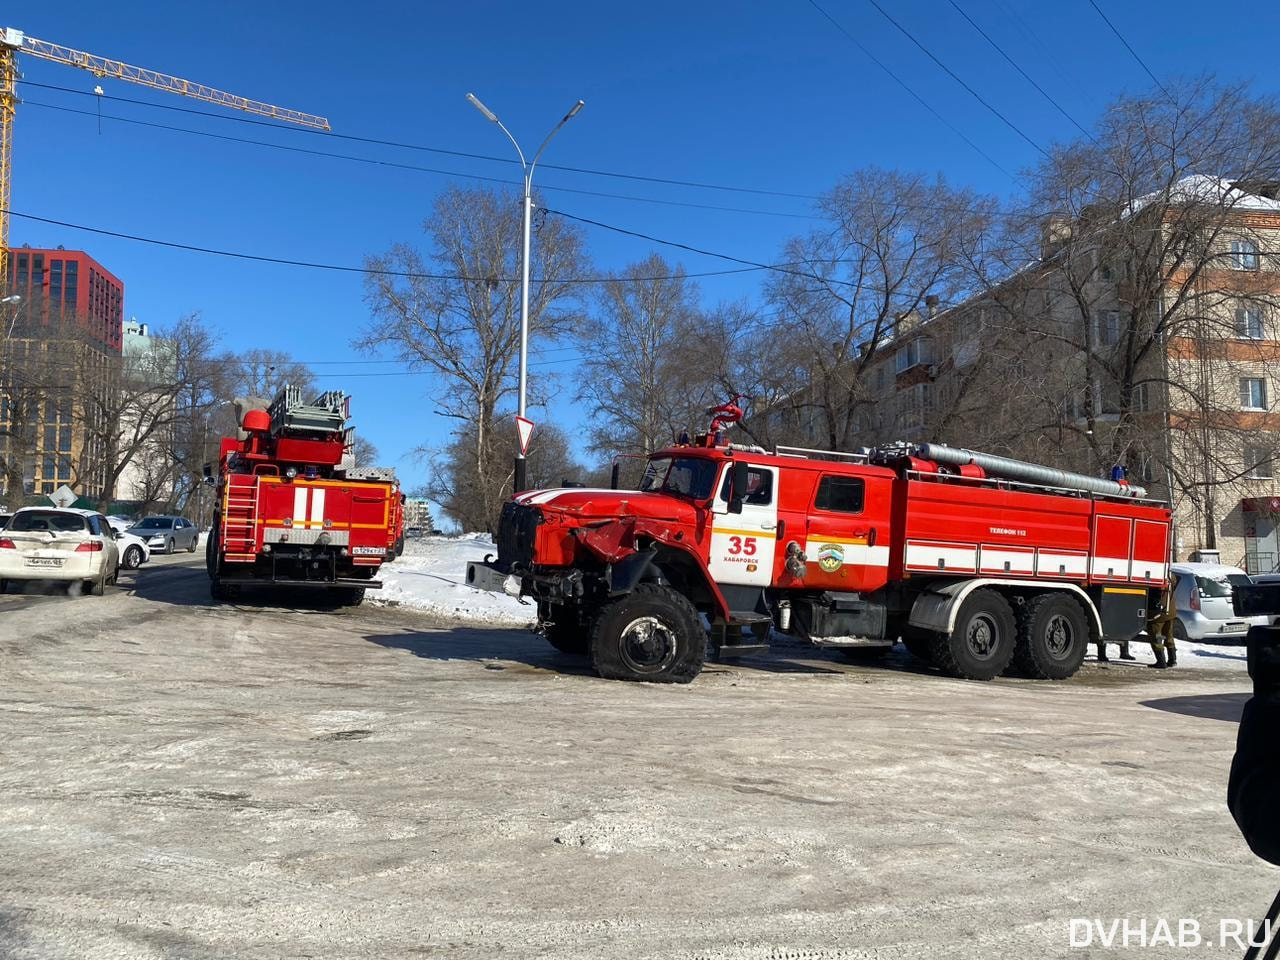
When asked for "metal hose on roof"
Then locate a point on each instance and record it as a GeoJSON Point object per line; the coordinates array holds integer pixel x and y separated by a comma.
{"type": "Point", "coordinates": [1031, 472]}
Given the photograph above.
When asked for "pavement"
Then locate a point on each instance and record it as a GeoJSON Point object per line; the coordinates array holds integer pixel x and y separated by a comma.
{"type": "Point", "coordinates": [180, 779]}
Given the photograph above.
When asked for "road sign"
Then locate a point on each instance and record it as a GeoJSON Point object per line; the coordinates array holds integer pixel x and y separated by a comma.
{"type": "Point", "coordinates": [63, 497]}
{"type": "Point", "coordinates": [524, 432]}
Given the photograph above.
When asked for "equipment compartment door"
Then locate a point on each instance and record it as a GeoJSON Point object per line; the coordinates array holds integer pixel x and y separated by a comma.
{"type": "Point", "coordinates": [743, 544]}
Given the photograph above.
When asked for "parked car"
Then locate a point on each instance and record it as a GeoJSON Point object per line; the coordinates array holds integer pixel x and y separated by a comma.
{"type": "Point", "coordinates": [134, 551]}
{"type": "Point", "coordinates": [167, 534]}
{"type": "Point", "coordinates": [1203, 597]}
{"type": "Point", "coordinates": [49, 543]}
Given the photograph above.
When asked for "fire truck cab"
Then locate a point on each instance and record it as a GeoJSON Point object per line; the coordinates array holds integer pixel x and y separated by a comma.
{"type": "Point", "coordinates": [977, 563]}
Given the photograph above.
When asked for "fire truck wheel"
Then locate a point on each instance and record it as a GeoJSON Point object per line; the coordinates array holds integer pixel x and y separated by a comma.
{"type": "Point", "coordinates": [351, 596]}
{"type": "Point", "coordinates": [919, 643]}
{"type": "Point", "coordinates": [1053, 636]}
{"type": "Point", "coordinates": [222, 591]}
{"type": "Point", "coordinates": [982, 642]}
{"type": "Point", "coordinates": [653, 634]}
{"type": "Point", "coordinates": [571, 638]}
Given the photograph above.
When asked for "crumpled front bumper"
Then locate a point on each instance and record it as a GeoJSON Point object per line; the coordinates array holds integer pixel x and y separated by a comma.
{"type": "Point", "coordinates": [561, 585]}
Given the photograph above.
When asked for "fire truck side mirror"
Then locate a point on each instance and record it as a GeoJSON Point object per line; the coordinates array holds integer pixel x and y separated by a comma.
{"type": "Point", "coordinates": [208, 473]}
{"type": "Point", "coordinates": [737, 485]}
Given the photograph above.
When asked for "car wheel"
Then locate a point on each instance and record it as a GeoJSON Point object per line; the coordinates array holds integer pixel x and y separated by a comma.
{"type": "Point", "coordinates": [1179, 632]}
{"type": "Point", "coordinates": [132, 558]}
{"type": "Point", "coordinates": [192, 548]}
{"type": "Point", "coordinates": [173, 546]}
{"type": "Point", "coordinates": [98, 587]}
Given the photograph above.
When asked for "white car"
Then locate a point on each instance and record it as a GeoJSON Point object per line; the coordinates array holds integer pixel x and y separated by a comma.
{"type": "Point", "coordinates": [134, 551]}
{"type": "Point", "coordinates": [48, 543]}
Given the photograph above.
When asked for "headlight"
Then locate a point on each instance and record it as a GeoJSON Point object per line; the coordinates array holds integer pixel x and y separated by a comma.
{"type": "Point", "coordinates": [291, 472]}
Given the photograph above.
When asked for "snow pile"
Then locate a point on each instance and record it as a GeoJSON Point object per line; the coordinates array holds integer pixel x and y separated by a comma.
{"type": "Point", "coordinates": [431, 576]}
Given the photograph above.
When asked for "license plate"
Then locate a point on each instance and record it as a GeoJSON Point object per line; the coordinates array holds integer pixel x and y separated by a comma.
{"type": "Point", "coordinates": [368, 551]}
{"type": "Point", "coordinates": [1235, 627]}
{"type": "Point", "coordinates": [44, 561]}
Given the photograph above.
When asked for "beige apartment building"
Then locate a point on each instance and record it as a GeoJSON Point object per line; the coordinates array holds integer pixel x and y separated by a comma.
{"type": "Point", "coordinates": [1147, 338]}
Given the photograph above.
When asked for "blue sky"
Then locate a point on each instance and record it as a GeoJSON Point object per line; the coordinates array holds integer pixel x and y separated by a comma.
{"type": "Point", "coordinates": [763, 96]}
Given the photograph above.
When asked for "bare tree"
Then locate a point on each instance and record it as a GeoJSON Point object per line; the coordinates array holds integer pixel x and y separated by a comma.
{"type": "Point", "coordinates": [363, 452]}
{"type": "Point", "coordinates": [894, 243]}
{"type": "Point", "coordinates": [643, 376]}
{"type": "Point", "coordinates": [131, 412]}
{"type": "Point", "coordinates": [1155, 237]}
{"type": "Point", "coordinates": [263, 373]}
{"type": "Point", "coordinates": [455, 312]}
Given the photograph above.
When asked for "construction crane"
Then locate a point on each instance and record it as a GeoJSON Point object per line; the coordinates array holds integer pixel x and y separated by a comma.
{"type": "Point", "coordinates": [13, 42]}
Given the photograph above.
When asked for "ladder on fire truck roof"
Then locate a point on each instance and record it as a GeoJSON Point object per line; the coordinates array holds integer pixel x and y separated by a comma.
{"type": "Point", "coordinates": [325, 415]}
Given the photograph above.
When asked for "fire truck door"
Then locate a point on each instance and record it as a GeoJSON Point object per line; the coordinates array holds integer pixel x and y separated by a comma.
{"type": "Point", "coordinates": [848, 537]}
{"type": "Point", "coordinates": [743, 544]}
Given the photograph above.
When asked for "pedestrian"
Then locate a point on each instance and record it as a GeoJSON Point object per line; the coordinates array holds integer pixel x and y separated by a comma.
{"type": "Point", "coordinates": [1253, 793]}
{"type": "Point", "coordinates": [1160, 629]}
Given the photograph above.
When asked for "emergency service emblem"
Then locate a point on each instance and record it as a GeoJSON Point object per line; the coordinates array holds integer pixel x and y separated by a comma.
{"type": "Point", "coordinates": [830, 557]}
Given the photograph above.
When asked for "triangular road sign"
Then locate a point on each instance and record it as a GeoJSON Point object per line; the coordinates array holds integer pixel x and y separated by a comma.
{"type": "Point", "coordinates": [524, 432]}
{"type": "Point", "coordinates": [63, 497]}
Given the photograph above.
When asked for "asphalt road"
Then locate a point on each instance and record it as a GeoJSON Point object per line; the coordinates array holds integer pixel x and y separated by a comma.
{"type": "Point", "coordinates": [265, 779]}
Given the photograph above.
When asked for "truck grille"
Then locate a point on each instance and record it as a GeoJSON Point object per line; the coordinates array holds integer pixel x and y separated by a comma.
{"type": "Point", "coordinates": [516, 531]}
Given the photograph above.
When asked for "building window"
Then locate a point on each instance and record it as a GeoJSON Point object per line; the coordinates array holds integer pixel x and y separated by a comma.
{"type": "Point", "coordinates": [1106, 328]}
{"type": "Point", "coordinates": [1244, 255]}
{"type": "Point", "coordinates": [1253, 393]}
{"type": "Point", "coordinates": [1142, 398]}
{"type": "Point", "coordinates": [1249, 323]}
{"type": "Point", "coordinates": [911, 354]}
{"type": "Point", "coordinates": [1257, 462]}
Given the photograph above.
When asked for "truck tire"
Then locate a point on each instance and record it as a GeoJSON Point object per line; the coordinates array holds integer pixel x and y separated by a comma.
{"type": "Point", "coordinates": [981, 645]}
{"type": "Point", "coordinates": [919, 643]}
{"type": "Point", "coordinates": [651, 634]}
{"type": "Point", "coordinates": [222, 591]}
{"type": "Point", "coordinates": [1053, 636]}
{"type": "Point", "coordinates": [570, 637]}
{"type": "Point", "coordinates": [351, 596]}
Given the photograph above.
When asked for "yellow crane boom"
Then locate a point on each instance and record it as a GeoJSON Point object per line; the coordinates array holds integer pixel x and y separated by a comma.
{"type": "Point", "coordinates": [13, 42]}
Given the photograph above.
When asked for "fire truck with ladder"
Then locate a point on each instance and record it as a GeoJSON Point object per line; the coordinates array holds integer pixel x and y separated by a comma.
{"type": "Point", "coordinates": [292, 511]}
{"type": "Point", "coordinates": [979, 563]}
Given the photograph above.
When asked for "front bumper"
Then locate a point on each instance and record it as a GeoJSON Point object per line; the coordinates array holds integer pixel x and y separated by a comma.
{"type": "Point", "coordinates": [561, 585]}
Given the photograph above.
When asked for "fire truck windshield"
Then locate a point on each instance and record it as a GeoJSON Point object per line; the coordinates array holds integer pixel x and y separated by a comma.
{"type": "Point", "coordinates": [683, 476]}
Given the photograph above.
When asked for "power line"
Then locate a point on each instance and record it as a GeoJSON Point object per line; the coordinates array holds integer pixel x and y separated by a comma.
{"type": "Point", "coordinates": [1132, 52]}
{"type": "Point", "coordinates": [412, 167]}
{"type": "Point", "coordinates": [342, 268]}
{"type": "Point", "coordinates": [778, 268]}
{"type": "Point", "coordinates": [1057, 106]}
{"type": "Point", "coordinates": [952, 74]}
{"type": "Point", "coordinates": [903, 84]}
{"type": "Point", "coordinates": [667, 181]}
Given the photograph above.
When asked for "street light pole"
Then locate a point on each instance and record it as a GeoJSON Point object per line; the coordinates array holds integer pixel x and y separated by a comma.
{"type": "Point", "coordinates": [528, 168]}
{"type": "Point", "coordinates": [15, 299]}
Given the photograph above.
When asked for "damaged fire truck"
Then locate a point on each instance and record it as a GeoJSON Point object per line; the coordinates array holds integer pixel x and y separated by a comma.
{"type": "Point", "coordinates": [978, 563]}
{"type": "Point", "coordinates": [292, 511]}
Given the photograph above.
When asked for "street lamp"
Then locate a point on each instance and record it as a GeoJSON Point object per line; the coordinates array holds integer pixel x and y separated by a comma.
{"type": "Point", "coordinates": [15, 299]}
{"type": "Point", "coordinates": [524, 257]}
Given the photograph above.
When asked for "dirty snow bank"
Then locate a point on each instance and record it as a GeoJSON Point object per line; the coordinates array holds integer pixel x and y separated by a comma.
{"type": "Point", "coordinates": [431, 576]}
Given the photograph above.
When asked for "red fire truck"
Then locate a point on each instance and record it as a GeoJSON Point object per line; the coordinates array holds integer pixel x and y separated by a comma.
{"type": "Point", "coordinates": [288, 512]}
{"type": "Point", "coordinates": [977, 562]}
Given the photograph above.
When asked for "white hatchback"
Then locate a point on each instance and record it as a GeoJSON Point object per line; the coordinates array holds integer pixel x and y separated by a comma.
{"type": "Point", "coordinates": [48, 543]}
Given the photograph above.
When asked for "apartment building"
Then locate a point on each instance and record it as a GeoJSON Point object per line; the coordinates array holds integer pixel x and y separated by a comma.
{"type": "Point", "coordinates": [1144, 336]}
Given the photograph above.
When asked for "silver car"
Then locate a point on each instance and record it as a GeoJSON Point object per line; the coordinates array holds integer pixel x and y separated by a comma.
{"type": "Point", "coordinates": [167, 534]}
{"type": "Point", "coordinates": [1203, 597]}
